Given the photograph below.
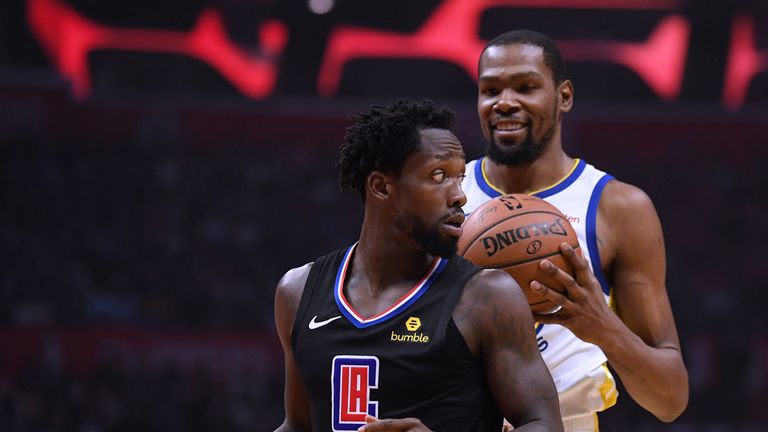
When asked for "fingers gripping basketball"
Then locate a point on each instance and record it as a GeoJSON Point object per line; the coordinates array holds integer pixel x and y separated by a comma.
{"type": "Point", "coordinates": [514, 233]}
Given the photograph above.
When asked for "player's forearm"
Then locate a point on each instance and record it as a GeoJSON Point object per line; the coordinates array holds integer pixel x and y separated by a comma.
{"type": "Point", "coordinates": [655, 377]}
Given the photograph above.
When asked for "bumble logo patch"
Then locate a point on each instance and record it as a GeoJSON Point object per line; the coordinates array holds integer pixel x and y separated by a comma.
{"type": "Point", "coordinates": [411, 324]}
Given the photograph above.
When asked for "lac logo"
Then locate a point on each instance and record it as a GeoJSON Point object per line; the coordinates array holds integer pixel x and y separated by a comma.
{"type": "Point", "coordinates": [352, 378]}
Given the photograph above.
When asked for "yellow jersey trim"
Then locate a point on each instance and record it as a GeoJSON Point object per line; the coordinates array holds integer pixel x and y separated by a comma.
{"type": "Point", "coordinates": [612, 302]}
{"type": "Point", "coordinates": [607, 389]}
{"type": "Point", "coordinates": [496, 188]}
{"type": "Point", "coordinates": [487, 180]}
{"type": "Point", "coordinates": [565, 177]}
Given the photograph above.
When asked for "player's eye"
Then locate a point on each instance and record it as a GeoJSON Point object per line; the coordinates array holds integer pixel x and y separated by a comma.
{"type": "Point", "coordinates": [462, 176]}
{"type": "Point", "coordinates": [438, 176]}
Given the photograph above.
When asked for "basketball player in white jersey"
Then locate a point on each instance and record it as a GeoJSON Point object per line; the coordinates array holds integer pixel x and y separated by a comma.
{"type": "Point", "coordinates": [616, 308]}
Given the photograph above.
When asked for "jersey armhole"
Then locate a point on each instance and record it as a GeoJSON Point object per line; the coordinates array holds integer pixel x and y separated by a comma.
{"type": "Point", "coordinates": [468, 271]}
{"type": "Point", "coordinates": [591, 230]}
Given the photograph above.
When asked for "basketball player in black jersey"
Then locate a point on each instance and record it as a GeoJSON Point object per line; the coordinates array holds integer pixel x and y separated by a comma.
{"type": "Point", "coordinates": [396, 332]}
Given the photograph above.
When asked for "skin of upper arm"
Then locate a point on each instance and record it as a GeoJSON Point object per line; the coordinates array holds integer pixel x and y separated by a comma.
{"type": "Point", "coordinates": [287, 299]}
{"type": "Point", "coordinates": [635, 250]}
{"type": "Point", "coordinates": [495, 319]}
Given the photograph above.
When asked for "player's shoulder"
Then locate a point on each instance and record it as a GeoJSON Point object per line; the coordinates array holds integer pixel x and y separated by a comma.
{"type": "Point", "coordinates": [288, 298]}
{"type": "Point", "coordinates": [291, 285]}
{"type": "Point", "coordinates": [620, 199]}
{"type": "Point", "coordinates": [492, 300]}
{"type": "Point", "coordinates": [491, 287]}
{"type": "Point", "coordinates": [489, 279]}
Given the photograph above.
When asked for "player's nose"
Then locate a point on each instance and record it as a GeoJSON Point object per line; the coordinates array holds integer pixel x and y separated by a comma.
{"type": "Point", "coordinates": [507, 102]}
{"type": "Point", "coordinates": [456, 196]}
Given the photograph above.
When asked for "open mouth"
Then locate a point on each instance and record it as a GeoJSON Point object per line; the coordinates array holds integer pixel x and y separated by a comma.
{"type": "Point", "coordinates": [509, 126]}
{"type": "Point", "coordinates": [453, 224]}
{"type": "Point", "coordinates": [453, 229]}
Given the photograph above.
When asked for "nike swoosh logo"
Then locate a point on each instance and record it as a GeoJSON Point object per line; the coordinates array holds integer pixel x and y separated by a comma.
{"type": "Point", "coordinates": [317, 324]}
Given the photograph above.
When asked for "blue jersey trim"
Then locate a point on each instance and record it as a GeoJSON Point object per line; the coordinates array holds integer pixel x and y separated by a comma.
{"type": "Point", "coordinates": [339, 274]}
{"type": "Point", "coordinates": [480, 178]}
{"type": "Point", "coordinates": [565, 183]}
{"type": "Point", "coordinates": [594, 252]}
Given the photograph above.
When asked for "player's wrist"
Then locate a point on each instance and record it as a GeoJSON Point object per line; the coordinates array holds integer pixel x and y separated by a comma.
{"type": "Point", "coordinates": [614, 336]}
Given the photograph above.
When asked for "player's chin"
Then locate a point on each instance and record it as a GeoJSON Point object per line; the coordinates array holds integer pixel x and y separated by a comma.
{"type": "Point", "coordinates": [507, 143]}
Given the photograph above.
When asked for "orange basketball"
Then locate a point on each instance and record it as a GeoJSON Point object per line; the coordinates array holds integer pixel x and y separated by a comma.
{"type": "Point", "coordinates": [513, 233]}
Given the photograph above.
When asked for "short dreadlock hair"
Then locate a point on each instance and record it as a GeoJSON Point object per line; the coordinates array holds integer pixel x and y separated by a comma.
{"type": "Point", "coordinates": [384, 137]}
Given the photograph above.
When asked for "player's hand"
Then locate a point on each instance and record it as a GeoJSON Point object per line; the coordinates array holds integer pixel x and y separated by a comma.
{"type": "Point", "coordinates": [583, 307]}
{"type": "Point", "coordinates": [393, 425]}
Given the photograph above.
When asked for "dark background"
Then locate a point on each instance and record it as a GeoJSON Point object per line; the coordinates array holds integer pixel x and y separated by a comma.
{"type": "Point", "coordinates": [146, 217]}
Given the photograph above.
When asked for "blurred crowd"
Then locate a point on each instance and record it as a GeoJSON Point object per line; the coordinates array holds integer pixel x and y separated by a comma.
{"type": "Point", "coordinates": [149, 230]}
{"type": "Point", "coordinates": [114, 398]}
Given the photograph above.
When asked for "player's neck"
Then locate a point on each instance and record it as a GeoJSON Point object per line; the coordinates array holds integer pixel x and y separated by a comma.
{"type": "Point", "coordinates": [542, 173]}
{"type": "Point", "coordinates": [386, 262]}
{"type": "Point", "coordinates": [377, 278]}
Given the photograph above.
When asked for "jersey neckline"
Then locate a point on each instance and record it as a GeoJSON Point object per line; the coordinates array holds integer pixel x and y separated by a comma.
{"type": "Point", "coordinates": [493, 191]}
{"type": "Point", "coordinates": [400, 305]}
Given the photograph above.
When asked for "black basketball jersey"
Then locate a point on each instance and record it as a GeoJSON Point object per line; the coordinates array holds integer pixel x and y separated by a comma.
{"type": "Point", "coordinates": [408, 361]}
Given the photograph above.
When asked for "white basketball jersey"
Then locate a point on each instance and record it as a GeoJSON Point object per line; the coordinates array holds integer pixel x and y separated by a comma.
{"type": "Point", "coordinates": [584, 383]}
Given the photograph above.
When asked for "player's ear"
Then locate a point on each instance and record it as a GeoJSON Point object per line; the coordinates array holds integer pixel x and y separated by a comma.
{"type": "Point", "coordinates": [565, 95]}
{"type": "Point", "coordinates": [377, 183]}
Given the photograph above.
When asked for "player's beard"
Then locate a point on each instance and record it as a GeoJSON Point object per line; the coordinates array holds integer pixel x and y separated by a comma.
{"type": "Point", "coordinates": [524, 153]}
{"type": "Point", "coordinates": [428, 236]}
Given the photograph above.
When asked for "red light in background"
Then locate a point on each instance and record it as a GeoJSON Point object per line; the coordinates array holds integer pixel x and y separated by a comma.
{"type": "Point", "coordinates": [68, 38]}
{"type": "Point", "coordinates": [744, 62]}
{"type": "Point", "coordinates": [659, 61]}
{"type": "Point", "coordinates": [450, 34]}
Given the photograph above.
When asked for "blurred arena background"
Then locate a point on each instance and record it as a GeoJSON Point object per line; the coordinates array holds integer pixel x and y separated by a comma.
{"type": "Point", "coordinates": [164, 162]}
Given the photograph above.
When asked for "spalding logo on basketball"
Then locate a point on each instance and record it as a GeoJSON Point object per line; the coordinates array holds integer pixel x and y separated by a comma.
{"type": "Point", "coordinates": [513, 233]}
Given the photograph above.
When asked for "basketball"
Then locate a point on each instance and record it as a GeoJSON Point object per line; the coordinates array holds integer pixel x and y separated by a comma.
{"type": "Point", "coordinates": [513, 233]}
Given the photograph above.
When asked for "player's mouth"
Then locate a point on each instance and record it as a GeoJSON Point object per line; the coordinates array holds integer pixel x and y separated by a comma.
{"type": "Point", "coordinates": [453, 223]}
{"type": "Point", "coordinates": [509, 128]}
